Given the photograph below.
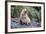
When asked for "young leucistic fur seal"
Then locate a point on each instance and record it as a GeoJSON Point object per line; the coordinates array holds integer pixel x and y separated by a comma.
{"type": "Point", "coordinates": [24, 18]}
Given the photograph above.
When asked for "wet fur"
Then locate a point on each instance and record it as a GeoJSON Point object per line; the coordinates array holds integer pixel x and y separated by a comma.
{"type": "Point", "coordinates": [24, 19]}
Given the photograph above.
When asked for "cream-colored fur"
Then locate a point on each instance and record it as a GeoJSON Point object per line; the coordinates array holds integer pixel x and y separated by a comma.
{"type": "Point", "coordinates": [24, 17]}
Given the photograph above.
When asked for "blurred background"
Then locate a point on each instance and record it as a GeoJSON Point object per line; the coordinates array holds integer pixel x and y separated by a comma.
{"type": "Point", "coordinates": [34, 11]}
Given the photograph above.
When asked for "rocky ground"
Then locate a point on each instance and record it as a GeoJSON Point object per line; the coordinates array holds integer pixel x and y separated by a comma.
{"type": "Point", "coordinates": [15, 23]}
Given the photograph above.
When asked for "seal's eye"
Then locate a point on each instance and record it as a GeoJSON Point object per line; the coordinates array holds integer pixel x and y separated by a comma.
{"type": "Point", "coordinates": [25, 12]}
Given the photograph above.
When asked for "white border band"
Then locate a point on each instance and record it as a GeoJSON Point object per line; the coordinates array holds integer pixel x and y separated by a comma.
{"type": "Point", "coordinates": [24, 29]}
